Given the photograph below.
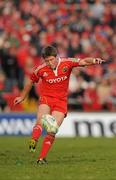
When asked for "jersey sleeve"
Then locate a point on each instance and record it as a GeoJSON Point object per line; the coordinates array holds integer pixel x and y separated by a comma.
{"type": "Point", "coordinates": [35, 76]}
{"type": "Point", "coordinates": [74, 62]}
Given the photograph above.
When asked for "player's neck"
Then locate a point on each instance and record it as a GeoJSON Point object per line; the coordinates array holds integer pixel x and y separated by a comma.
{"type": "Point", "coordinates": [55, 65]}
{"type": "Point", "coordinates": [54, 68]}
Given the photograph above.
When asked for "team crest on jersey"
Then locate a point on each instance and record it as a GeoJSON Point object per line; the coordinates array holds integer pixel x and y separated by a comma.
{"type": "Point", "coordinates": [65, 69]}
{"type": "Point", "coordinates": [45, 74]}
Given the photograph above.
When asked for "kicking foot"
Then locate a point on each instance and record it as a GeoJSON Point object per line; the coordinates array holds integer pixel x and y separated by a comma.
{"type": "Point", "coordinates": [32, 145]}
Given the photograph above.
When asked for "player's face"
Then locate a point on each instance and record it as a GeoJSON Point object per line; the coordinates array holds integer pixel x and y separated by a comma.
{"type": "Point", "coordinates": [51, 61]}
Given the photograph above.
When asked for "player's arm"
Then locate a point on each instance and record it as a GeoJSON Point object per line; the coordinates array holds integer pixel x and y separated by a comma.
{"type": "Point", "coordinates": [90, 61]}
{"type": "Point", "coordinates": [24, 92]}
{"type": "Point", "coordinates": [34, 78]}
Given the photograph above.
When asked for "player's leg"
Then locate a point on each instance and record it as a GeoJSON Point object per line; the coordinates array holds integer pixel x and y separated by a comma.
{"type": "Point", "coordinates": [59, 116]}
{"type": "Point", "coordinates": [37, 129]}
{"type": "Point", "coordinates": [50, 137]}
{"type": "Point", "coordinates": [43, 109]}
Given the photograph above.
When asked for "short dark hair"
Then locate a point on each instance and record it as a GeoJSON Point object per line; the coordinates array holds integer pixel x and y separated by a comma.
{"type": "Point", "coordinates": [49, 51]}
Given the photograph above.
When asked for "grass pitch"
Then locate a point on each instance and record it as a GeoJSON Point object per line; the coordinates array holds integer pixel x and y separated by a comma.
{"type": "Point", "coordinates": [69, 159]}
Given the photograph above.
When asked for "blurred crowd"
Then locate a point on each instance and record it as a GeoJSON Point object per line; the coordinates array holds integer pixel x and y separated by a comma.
{"type": "Point", "coordinates": [78, 28]}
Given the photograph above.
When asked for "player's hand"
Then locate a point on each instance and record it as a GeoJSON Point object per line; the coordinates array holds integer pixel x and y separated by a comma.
{"type": "Point", "coordinates": [98, 61]}
{"type": "Point", "coordinates": [18, 100]}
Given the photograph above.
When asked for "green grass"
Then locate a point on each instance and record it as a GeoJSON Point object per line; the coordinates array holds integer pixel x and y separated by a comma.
{"type": "Point", "coordinates": [69, 159]}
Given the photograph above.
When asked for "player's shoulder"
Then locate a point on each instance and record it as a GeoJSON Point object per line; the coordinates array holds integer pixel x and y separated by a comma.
{"type": "Point", "coordinates": [66, 59]}
{"type": "Point", "coordinates": [39, 68]}
{"type": "Point", "coordinates": [70, 60]}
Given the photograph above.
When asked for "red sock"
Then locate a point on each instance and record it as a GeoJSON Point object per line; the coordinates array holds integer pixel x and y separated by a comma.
{"type": "Point", "coordinates": [47, 144]}
{"type": "Point", "coordinates": [36, 133]}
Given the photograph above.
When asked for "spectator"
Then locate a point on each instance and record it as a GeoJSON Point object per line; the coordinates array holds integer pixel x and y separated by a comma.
{"type": "Point", "coordinates": [77, 28]}
{"type": "Point", "coordinates": [91, 99]}
{"type": "Point", "coordinates": [3, 105]}
{"type": "Point", "coordinates": [104, 91]}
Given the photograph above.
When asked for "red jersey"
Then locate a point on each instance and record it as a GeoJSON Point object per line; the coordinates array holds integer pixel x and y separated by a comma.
{"type": "Point", "coordinates": [54, 83]}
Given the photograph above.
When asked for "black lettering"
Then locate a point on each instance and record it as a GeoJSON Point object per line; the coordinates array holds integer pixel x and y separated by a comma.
{"type": "Point", "coordinates": [113, 127]}
{"type": "Point", "coordinates": [88, 126]}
